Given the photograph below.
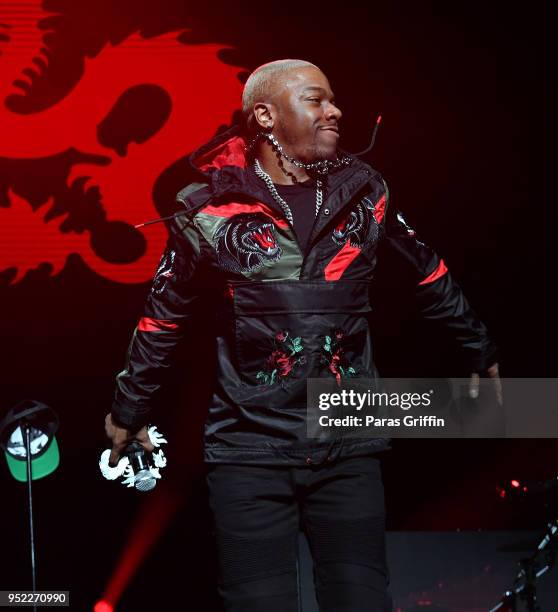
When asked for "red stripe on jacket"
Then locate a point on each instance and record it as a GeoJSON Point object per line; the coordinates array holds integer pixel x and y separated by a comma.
{"type": "Point", "coordinates": [380, 209]}
{"type": "Point", "coordinates": [341, 261]}
{"type": "Point", "coordinates": [439, 271]}
{"type": "Point", "coordinates": [150, 325]}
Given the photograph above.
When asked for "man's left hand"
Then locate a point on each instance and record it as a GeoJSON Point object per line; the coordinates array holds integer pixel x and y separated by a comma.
{"type": "Point", "coordinates": [494, 375]}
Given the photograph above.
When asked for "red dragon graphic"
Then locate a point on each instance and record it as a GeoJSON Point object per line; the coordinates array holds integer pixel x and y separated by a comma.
{"type": "Point", "coordinates": [202, 94]}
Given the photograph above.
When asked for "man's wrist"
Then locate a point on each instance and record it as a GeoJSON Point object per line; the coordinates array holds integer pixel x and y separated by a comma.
{"type": "Point", "coordinates": [120, 423]}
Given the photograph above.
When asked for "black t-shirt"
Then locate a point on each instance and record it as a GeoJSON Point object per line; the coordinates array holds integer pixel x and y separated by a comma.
{"type": "Point", "coordinates": [301, 198]}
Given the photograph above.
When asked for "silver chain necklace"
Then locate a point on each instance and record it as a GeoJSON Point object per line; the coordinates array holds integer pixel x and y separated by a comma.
{"type": "Point", "coordinates": [323, 166]}
{"type": "Point", "coordinates": [274, 193]}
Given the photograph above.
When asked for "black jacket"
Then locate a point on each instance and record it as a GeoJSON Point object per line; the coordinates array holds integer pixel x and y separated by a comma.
{"type": "Point", "coordinates": [281, 315]}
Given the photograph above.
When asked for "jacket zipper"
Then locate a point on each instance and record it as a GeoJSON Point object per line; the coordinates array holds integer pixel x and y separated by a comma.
{"type": "Point", "coordinates": [313, 238]}
{"type": "Point", "coordinates": [310, 242]}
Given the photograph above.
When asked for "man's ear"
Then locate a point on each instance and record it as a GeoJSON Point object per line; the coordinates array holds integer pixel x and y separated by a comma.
{"type": "Point", "coordinates": [264, 115]}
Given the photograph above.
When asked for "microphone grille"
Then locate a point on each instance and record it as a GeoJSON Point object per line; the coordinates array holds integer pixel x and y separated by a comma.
{"type": "Point", "coordinates": [145, 481]}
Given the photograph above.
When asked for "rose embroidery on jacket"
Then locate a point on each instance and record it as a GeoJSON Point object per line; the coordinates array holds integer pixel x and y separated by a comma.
{"type": "Point", "coordinates": [285, 356]}
{"type": "Point", "coordinates": [334, 356]}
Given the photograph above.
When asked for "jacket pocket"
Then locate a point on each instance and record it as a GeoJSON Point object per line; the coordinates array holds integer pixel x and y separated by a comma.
{"type": "Point", "coordinates": [290, 330]}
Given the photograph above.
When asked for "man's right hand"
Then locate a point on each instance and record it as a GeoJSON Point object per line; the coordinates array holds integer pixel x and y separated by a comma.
{"type": "Point", "coordinates": [120, 437]}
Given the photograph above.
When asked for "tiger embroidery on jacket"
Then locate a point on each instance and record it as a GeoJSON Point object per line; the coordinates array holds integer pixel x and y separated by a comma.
{"type": "Point", "coordinates": [246, 242]}
{"type": "Point", "coordinates": [358, 227]}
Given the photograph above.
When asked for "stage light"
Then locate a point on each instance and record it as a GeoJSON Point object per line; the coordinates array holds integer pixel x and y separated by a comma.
{"type": "Point", "coordinates": [152, 519]}
{"type": "Point", "coordinates": [103, 606]}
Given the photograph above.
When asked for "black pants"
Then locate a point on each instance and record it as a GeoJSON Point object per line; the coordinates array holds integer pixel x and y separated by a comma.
{"type": "Point", "coordinates": [257, 511]}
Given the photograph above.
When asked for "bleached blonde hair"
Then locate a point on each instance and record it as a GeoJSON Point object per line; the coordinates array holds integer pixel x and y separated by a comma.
{"type": "Point", "coordinates": [261, 82]}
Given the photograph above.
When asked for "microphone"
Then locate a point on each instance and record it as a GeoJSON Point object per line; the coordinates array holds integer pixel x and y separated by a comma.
{"type": "Point", "coordinates": [137, 467]}
{"type": "Point", "coordinates": [141, 464]}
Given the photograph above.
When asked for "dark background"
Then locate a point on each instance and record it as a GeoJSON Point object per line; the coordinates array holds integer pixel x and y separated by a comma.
{"type": "Point", "coordinates": [453, 84]}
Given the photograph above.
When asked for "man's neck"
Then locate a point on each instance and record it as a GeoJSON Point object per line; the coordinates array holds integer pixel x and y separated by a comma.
{"type": "Point", "coordinates": [270, 164]}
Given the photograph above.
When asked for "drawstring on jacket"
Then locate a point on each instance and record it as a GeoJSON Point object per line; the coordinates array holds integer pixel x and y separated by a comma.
{"type": "Point", "coordinates": [359, 154]}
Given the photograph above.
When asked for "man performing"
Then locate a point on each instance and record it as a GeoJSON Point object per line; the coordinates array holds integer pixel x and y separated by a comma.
{"type": "Point", "coordinates": [282, 235]}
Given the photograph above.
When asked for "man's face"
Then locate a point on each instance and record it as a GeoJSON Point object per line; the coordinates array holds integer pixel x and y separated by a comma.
{"type": "Point", "coordinates": [306, 118]}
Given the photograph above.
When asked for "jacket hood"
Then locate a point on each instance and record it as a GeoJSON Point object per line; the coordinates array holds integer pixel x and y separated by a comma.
{"type": "Point", "coordinates": [223, 160]}
{"type": "Point", "coordinates": [227, 149]}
